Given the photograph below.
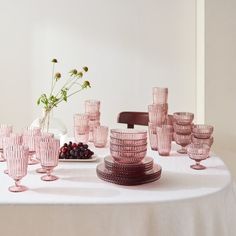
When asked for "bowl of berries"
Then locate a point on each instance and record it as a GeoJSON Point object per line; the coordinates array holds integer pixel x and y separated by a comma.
{"type": "Point", "coordinates": [76, 152]}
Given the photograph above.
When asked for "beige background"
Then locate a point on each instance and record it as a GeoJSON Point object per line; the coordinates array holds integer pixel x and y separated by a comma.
{"type": "Point", "coordinates": [220, 54]}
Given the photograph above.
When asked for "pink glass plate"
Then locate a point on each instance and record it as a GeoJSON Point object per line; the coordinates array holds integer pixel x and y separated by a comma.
{"type": "Point", "coordinates": [130, 134]}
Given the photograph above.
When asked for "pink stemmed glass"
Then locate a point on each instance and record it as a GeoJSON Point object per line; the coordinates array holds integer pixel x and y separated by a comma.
{"type": "Point", "coordinates": [5, 131]}
{"type": "Point", "coordinates": [152, 135]}
{"type": "Point", "coordinates": [202, 131]}
{"type": "Point", "coordinates": [92, 106]}
{"type": "Point", "coordinates": [183, 118]}
{"type": "Point", "coordinates": [207, 141]}
{"type": "Point", "coordinates": [183, 140]}
{"type": "Point", "coordinates": [198, 152]}
{"type": "Point", "coordinates": [164, 139]}
{"type": "Point", "coordinates": [160, 95]}
{"type": "Point", "coordinates": [17, 163]}
{"type": "Point", "coordinates": [30, 140]}
{"type": "Point", "coordinates": [100, 135]}
{"type": "Point", "coordinates": [44, 137]}
{"type": "Point", "coordinates": [49, 154]}
{"type": "Point", "coordinates": [182, 129]}
{"type": "Point", "coordinates": [12, 140]}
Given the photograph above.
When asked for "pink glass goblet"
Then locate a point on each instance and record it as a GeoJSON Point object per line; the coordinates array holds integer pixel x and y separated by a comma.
{"type": "Point", "coordinates": [17, 163]}
{"type": "Point", "coordinates": [207, 141]}
{"type": "Point", "coordinates": [152, 136]}
{"type": "Point", "coordinates": [202, 131]}
{"type": "Point", "coordinates": [164, 139]}
{"type": "Point", "coordinates": [100, 135]}
{"type": "Point", "coordinates": [183, 140]}
{"type": "Point", "coordinates": [92, 106]}
{"type": "Point", "coordinates": [160, 95]}
{"type": "Point", "coordinates": [49, 154]}
{"type": "Point", "coordinates": [198, 152]}
{"type": "Point", "coordinates": [182, 129]}
{"type": "Point", "coordinates": [46, 137]}
{"type": "Point", "coordinates": [12, 140]}
{"type": "Point", "coordinates": [183, 118]}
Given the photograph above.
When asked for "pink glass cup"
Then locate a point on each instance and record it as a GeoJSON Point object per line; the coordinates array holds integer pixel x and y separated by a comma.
{"type": "Point", "coordinates": [152, 135]}
{"type": "Point", "coordinates": [81, 134]}
{"type": "Point", "coordinates": [49, 154]}
{"type": "Point", "coordinates": [81, 119]}
{"type": "Point", "coordinates": [157, 113]}
{"type": "Point", "coordinates": [100, 135]}
{"type": "Point", "coordinates": [182, 129]}
{"type": "Point", "coordinates": [198, 152]}
{"type": "Point", "coordinates": [12, 140]}
{"type": "Point", "coordinates": [202, 131]}
{"type": "Point", "coordinates": [183, 140]}
{"type": "Point", "coordinates": [160, 95]}
{"type": "Point", "coordinates": [94, 116]}
{"type": "Point", "coordinates": [164, 139]}
{"type": "Point", "coordinates": [17, 163]}
{"type": "Point", "coordinates": [92, 106]}
{"type": "Point", "coordinates": [32, 130]}
{"type": "Point", "coordinates": [183, 118]}
{"type": "Point", "coordinates": [5, 129]}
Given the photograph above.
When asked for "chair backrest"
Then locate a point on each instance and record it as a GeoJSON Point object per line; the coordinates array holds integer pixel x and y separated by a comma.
{"type": "Point", "coordinates": [132, 118]}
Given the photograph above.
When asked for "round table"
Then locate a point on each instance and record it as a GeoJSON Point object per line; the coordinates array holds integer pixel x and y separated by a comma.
{"type": "Point", "coordinates": [183, 202]}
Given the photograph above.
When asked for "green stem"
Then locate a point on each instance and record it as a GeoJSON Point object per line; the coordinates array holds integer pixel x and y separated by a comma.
{"type": "Point", "coordinates": [52, 84]}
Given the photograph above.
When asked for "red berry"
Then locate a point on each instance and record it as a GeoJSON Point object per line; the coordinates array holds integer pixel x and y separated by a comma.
{"type": "Point", "coordinates": [64, 150]}
{"type": "Point", "coordinates": [74, 145]}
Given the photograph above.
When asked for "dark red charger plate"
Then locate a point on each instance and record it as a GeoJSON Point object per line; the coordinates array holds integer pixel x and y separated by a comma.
{"type": "Point", "coordinates": [109, 176]}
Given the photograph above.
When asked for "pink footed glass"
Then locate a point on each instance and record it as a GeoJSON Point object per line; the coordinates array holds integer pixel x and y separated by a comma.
{"type": "Point", "coordinates": [92, 106]}
{"type": "Point", "coordinates": [45, 137]}
{"type": "Point", "coordinates": [182, 129]}
{"type": "Point", "coordinates": [160, 95]}
{"type": "Point", "coordinates": [100, 135]}
{"type": "Point", "coordinates": [152, 135]}
{"type": "Point", "coordinates": [207, 141]}
{"type": "Point", "coordinates": [17, 163]}
{"type": "Point", "coordinates": [202, 131]}
{"type": "Point", "coordinates": [164, 139]}
{"type": "Point", "coordinates": [12, 140]}
{"type": "Point", "coordinates": [198, 152]}
{"type": "Point", "coordinates": [30, 140]}
{"type": "Point", "coordinates": [183, 118]}
{"type": "Point", "coordinates": [183, 140]}
{"type": "Point", "coordinates": [49, 154]}
{"type": "Point", "coordinates": [157, 113]}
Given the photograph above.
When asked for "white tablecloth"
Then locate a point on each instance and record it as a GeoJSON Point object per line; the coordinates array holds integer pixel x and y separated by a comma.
{"type": "Point", "coordinates": [183, 202]}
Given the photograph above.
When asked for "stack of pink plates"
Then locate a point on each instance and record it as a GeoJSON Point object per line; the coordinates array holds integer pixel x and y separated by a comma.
{"type": "Point", "coordinates": [128, 164]}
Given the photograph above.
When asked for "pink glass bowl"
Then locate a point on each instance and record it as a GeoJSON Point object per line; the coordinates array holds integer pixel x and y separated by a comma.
{"type": "Point", "coordinates": [182, 129]}
{"type": "Point", "coordinates": [124, 148]}
{"type": "Point", "coordinates": [128, 142]}
{"type": "Point", "coordinates": [202, 131]}
{"type": "Point", "coordinates": [207, 141]}
{"type": "Point", "coordinates": [198, 152]}
{"type": "Point", "coordinates": [183, 118]}
{"type": "Point", "coordinates": [130, 134]}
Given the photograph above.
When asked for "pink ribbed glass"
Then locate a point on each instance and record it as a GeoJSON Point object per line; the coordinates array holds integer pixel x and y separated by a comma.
{"type": "Point", "coordinates": [152, 135]}
{"type": "Point", "coordinates": [17, 163]}
{"type": "Point", "coordinates": [128, 142]}
{"type": "Point", "coordinates": [183, 140]}
{"type": "Point", "coordinates": [183, 118]}
{"type": "Point", "coordinates": [5, 129]}
{"type": "Point", "coordinates": [202, 131]}
{"type": "Point", "coordinates": [32, 131]}
{"type": "Point", "coordinates": [100, 135]}
{"type": "Point", "coordinates": [92, 106]}
{"type": "Point", "coordinates": [164, 139]}
{"type": "Point", "coordinates": [207, 141]}
{"type": "Point", "coordinates": [12, 140]}
{"type": "Point", "coordinates": [81, 134]}
{"type": "Point", "coordinates": [198, 152]}
{"type": "Point", "coordinates": [81, 119]}
{"type": "Point", "coordinates": [160, 95]}
{"type": "Point", "coordinates": [94, 116]}
{"type": "Point", "coordinates": [157, 113]}
{"type": "Point", "coordinates": [49, 154]}
{"type": "Point", "coordinates": [30, 140]}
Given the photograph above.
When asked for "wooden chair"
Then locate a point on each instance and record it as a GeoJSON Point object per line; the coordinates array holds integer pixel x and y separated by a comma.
{"type": "Point", "coordinates": [132, 118]}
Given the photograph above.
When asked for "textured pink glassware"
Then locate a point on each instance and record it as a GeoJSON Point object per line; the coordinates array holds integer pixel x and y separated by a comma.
{"type": "Point", "coordinates": [207, 141]}
{"type": "Point", "coordinates": [17, 163]}
{"type": "Point", "coordinates": [183, 129]}
{"type": "Point", "coordinates": [164, 139]}
{"type": "Point", "coordinates": [130, 148]}
{"type": "Point", "coordinates": [100, 135]}
{"type": "Point", "coordinates": [45, 137]}
{"type": "Point", "coordinates": [130, 134]}
{"type": "Point", "coordinates": [81, 119]}
{"type": "Point", "coordinates": [183, 140]}
{"type": "Point", "coordinates": [81, 127]}
{"type": "Point", "coordinates": [160, 95]}
{"type": "Point", "coordinates": [49, 154]}
{"type": "Point", "coordinates": [157, 113]}
{"type": "Point", "coordinates": [94, 116]}
{"type": "Point", "coordinates": [183, 118]}
{"type": "Point", "coordinates": [152, 135]}
{"type": "Point", "coordinates": [198, 152]}
{"type": "Point", "coordinates": [202, 131]}
{"type": "Point", "coordinates": [12, 140]}
{"type": "Point", "coordinates": [29, 140]}
{"type": "Point", "coordinates": [92, 106]}
{"type": "Point", "coordinates": [5, 131]}
{"type": "Point", "coordinates": [128, 142]}
{"type": "Point", "coordinates": [32, 130]}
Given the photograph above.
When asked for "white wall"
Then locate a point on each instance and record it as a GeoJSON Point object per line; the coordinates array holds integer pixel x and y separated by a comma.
{"type": "Point", "coordinates": [129, 46]}
{"type": "Point", "coordinates": [221, 76]}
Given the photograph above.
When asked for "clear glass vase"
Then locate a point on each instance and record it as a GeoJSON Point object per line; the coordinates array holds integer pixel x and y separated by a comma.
{"type": "Point", "coordinates": [48, 123]}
